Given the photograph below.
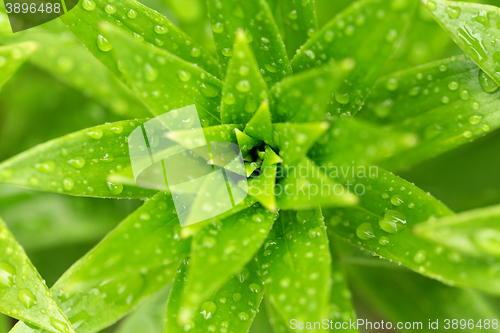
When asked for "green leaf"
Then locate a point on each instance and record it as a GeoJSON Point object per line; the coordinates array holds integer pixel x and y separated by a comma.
{"type": "Point", "coordinates": [246, 142]}
{"type": "Point", "coordinates": [262, 188]}
{"type": "Point", "coordinates": [341, 308]}
{"type": "Point", "coordinates": [151, 70]}
{"type": "Point", "coordinates": [135, 19]}
{"type": "Point", "coordinates": [77, 68]}
{"type": "Point", "coordinates": [295, 140]}
{"type": "Point", "coordinates": [299, 23]}
{"type": "Point", "coordinates": [232, 306]}
{"type": "Point", "coordinates": [277, 323]}
{"type": "Point", "coordinates": [389, 207]}
{"type": "Point", "coordinates": [56, 220]}
{"type": "Point", "coordinates": [77, 164]}
{"type": "Point", "coordinates": [475, 28]}
{"type": "Point", "coordinates": [475, 232]}
{"type": "Point", "coordinates": [13, 56]}
{"type": "Point", "coordinates": [367, 33]}
{"type": "Point", "coordinates": [443, 103]}
{"type": "Point", "coordinates": [350, 141]}
{"type": "Point", "coordinates": [403, 296]}
{"type": "Point", "coordinates": [295, 264]}
{"type": "Point", "coordinates": [135, 260]}
{"type": "Point", "coordinates": [23, 293]}
{"type": "Point", "coordinates": [4, 323]}
{"type": "Point", "coordinates": [304, 97]}
{"type": "Point", "coordinates": [149, 317]}
{"type": "Point", "coordinates": [219, 133]}
{"type": "Point", "coordinates": [256, 19]}
{"type": "Point", "coordinates": [306, 185]}
{"type": "Point", "coordinates": [261, 126]}
{"type": "Point", "coordinates": [220, 250]}
{"type": "Point", "coordinates": [244, 87]}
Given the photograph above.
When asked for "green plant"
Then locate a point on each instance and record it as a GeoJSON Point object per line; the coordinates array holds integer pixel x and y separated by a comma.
{"type": "Point", "coordinates": [329, 109]}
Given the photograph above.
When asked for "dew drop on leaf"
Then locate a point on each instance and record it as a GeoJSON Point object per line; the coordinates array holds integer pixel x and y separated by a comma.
{"type": "Point", "coordinates": [218, 28]}
{"type": "Point", "coordinates": [396, 200]}
{"type": "Point", "coordinates": [7, 274]}
{"type": "Point", "coordinates": [103, 44]}
{"type": "Point", "coordinates": [160, 30]}
{"type": "Point", "coordinates": [27, 298]}
{"type": "Point", "coordinates": [46, 167]}
{"type": "Point", "coordinates": [77, 162]}
{"type": "Point", "coordinates": [88, 5]}
{"type": "Point", "coordinates": [208, 309]}
{"type": "Point", "coordinates": [384, 241]}
{"type": "Point", "coordinates": [487, 83]}
{"type": "Point", "coordinates": [475, 119]}
{"type": "Point", "coordinates": [393, 222]}
{"type": "Point", "coordinates": [59, 325]}
{"type": "Point", "coordinates": [68, 184]}
{"type": "Point", "coordinates": [131, 13]}
{"type": "Point", "coordinates": [115, 189]}
{"type": "Point", "coordinates": [110, 9]}
{"type": "Point", "coordinates": [365, 231]}
{"type": "Point", "coordinates": [95, 133]}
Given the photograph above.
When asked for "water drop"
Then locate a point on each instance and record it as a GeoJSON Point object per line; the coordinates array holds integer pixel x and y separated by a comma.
{"type": "Point", "coordinates": [453, 85]}
{"type": "Point", "coordinates": [27, 298]}
{"type": "Point", "coordinates": [464, 94]}
{"type": "Point", "coordinates": [95, 133]}
{"type": "Point", "coordinates": [453, 12]}
{"type": "Point", "coordinates": [115, 189]}
{"type": "Point", "coordinates": [183, 75]}
{"type": "Point", "coordinates": [396, 200]}
{"type": "Point", "coordinates": [131, 13]}
{"type": "Point", "coordinates": [420, 257]}
{"type": "Point", "coordinates": [59, 325]}
{"type": "Point", "coordinates": [227, 52]}
{"type": "Point", "coordinates": [7, 274]}
{"type": "Point", "coordinates": [103, 44]}
{"type": "Point", "coordinates": [208, 309]}
{"type": "Point", "coordinates": [431, 5]}
{"type": "Point", "coordinates": [88, 5]}
{"type": "Point", "coordinates": [195, 52]}
{"type": "Point", "coordinates": [68, 184]}
{"type": "Point", "coordinates": [475, 119]}
{"type": "Point", "coordinates": [467, 134]}
{"type": "Point", "coordinates": [384, 241]}
{"type": "Point", "coordinates": [255, 288]}
{"type": "Point", "coordinates": [243, 86]}
{"type": "Point", "coordinates": [46, 167]}
{"type": "Point", "coordinates": [342, 98]}
{"type": "Point", "coordinates": [150, 73]}
{"type": "Point", "coordinates": [365, 231]}
{"type": "Point", "coordinates": [293, 15]}
{"type": "Point", "coordinates": [217, 27]}
{"type": "Point", "coordinates": [393, 222]}
{"type": "Point", "coordinates": [229, 98]}
{"type": "Point", "coordinates": [243, 316]}
{"type": "Point", "coordinates": [77, 162]}
{"type": "Point", "coordinates": [110, 9]}
{"type": "Point", "coordinates": [487, 83]}
{"type": "Point", "coordinates": [328, 36]}
{"type": "Point", "coordinates": [209, 90]}
{"type": "Point", "coordinates": [271, 68]}
{"type": "Point", "coordinates": [117, 129]}
{"type": "Point", "coordinates": [392, 84]}
{"type": "Point", "coordinates": [160, 30]}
